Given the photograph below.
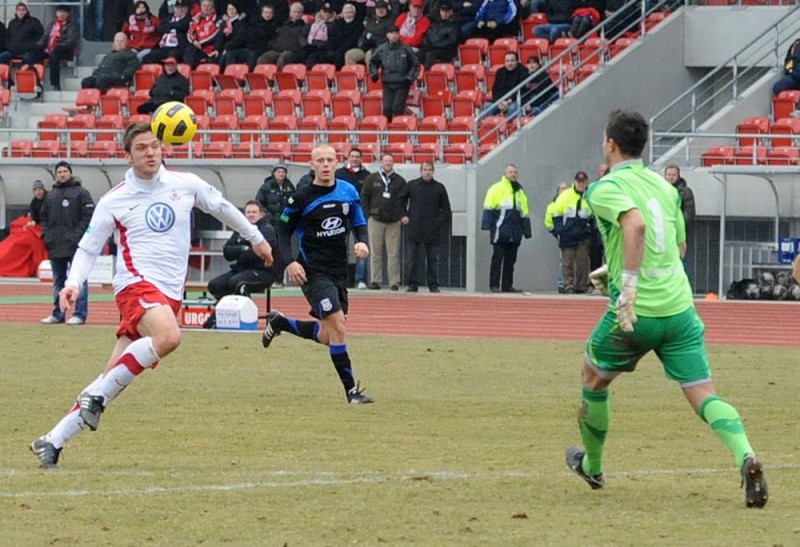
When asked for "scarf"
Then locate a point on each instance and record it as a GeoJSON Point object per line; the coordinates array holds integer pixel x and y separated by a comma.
{"type": "Point", "coordinates": [170, 39]}
{"type": "Point", "coordinates": [409, 27]}
{"type": "Point", "coordinates": [228, 29]}
{"type": "Point", "coordinates": [318, 31]}
{"type": "Point", "coordinates": [55, 34]}
{"type": "Point", "coordinates": [143, 23]}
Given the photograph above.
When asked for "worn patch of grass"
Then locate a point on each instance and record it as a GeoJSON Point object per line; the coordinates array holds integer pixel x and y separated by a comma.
{"type": "Point", "coordinates": [228, 443]}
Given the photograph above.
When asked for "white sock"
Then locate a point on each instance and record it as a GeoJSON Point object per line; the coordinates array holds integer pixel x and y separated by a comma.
{"type": "Point", "coordinates": [138, 356]}
{"type": "Point", "coordinates": [71, 424]}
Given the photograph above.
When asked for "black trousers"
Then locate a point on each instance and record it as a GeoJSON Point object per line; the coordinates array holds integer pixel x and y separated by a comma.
{"type": "Point", "coordinates": [103, 83]}
{"type": "Point", "coordinates": [394, 99]}
{"type": "Point", "coordinates": [421, 253]}
{"type": "Point", "coordinates": [504, 256]}
{"type": "Point", "coordinates": [242, 283]}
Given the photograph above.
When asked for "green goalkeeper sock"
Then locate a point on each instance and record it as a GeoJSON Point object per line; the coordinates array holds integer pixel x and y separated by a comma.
{"type": "Point", "coordinates": [594, 419]}
{"type": "Point", "coordinates": [726, 424]}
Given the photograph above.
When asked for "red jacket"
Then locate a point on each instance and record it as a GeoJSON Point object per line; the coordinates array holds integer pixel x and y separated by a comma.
{"type": "Point", "coordinates": [142, 33]}
{"type": "Point", "coordinates": [203, 28]}
{"type": "Point", "coordinates": [422, 26]}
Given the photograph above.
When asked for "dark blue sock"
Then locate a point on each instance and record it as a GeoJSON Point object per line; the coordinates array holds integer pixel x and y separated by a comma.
{"type": "Point", "coordinates": [303, 329]}
{"type": "Point", "coordinates": [341, 361]}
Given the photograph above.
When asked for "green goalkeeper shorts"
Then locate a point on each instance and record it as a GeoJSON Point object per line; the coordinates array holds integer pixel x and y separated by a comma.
{"type": "Point", "coordinates": [678, 340]}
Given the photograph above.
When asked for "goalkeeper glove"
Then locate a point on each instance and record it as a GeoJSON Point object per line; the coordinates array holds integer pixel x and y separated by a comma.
{"type": "Point", "coordinates": [599, 279]}
{"type": "Point", "coordinates": [627, 301]}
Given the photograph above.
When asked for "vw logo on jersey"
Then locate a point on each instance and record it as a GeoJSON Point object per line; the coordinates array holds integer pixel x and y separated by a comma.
{"type": "Point", "coordinates": [159, 217]}
{"type": "Point", "coordinates": [331, 223]}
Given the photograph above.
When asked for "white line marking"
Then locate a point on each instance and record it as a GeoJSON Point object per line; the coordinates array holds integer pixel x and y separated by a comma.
{"type": "Point", "coordinates": [321, 479]}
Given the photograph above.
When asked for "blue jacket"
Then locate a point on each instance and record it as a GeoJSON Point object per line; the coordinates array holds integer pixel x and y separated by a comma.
{"type": "Point", "coordinates": [505, 213]}
{"type": "Point", "coordinates": [571, 218]}
{"type": "Point", "coordinates": [502, 11]}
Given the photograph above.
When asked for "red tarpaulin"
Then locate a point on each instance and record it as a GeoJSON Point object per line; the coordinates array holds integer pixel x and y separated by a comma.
{"type": "Point", "coordinates": [22, 251]}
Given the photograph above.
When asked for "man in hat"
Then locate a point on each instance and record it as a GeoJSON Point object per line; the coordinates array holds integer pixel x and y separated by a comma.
{"type": "Point", "coordinates": [413, 25]}
{"type": "Point", "coordinates": [23, 33]}
{"type": "Point", "coordinates": [58, 43]}
{"type": "Point", "coordinates": [572, 226]}
{"type": "Point", "coordinates": [115, 69]}
{"type": "Point", "coordinates": [64, 217]}
{"type": "Point", "coordinates": [174, 39]}
{"type": "Point", "coordinates": [440, 44]}
{"type": "Point", "coordinates": [376, 25]}
{"type": "Point", "coordinates": [170, 86]}
{"type": "Point", "coordinates": [273, 194]}
{"type": "Point", "coordinates": [399, 68]}
{"type": "Point", "coordinates": [35, 208]}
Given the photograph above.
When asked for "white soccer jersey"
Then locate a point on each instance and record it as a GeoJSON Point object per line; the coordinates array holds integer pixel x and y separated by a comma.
{"type": "Point", "coordinates": [151, 222]}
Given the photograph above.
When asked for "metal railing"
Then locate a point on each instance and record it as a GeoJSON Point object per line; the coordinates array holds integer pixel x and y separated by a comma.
{"type": "Point", "coordinates": [571, 67]}
{"type": "Point", "coordinates": [685, 115]}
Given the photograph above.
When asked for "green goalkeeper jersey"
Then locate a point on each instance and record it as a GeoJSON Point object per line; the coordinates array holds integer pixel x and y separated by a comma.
{"type": "Point", "coordinates": [663, 288]}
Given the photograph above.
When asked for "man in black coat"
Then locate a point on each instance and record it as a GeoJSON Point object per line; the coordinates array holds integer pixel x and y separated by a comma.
{"type": "Point", "coordinates": [428, 213]}
{"type": "Point", "coordinates": [274, 193]}
{"type": "Point", "coordinates": [23, 33]}
{"type": "Point", "coordinates": [64, 218]}
{"type": "Point", "coordinates": [508, 77]}
{"type": "Point", "coordinates": [440, 44]}
{"type": "Point", "coordinates": [170, 86]}
{"type": "Point", "coordinates": [248, 272]}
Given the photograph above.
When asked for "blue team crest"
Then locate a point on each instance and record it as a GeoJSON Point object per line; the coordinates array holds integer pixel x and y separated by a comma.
{"type": "Point", "coordinates": [159, 217]}
{"type": "Point", "coordinates": [345, 208]}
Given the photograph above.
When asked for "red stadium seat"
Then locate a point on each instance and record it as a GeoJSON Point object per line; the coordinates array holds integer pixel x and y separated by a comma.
{"type": "Point", "coordinates": [257, 101]}
{"type": "Point", "coordinates": [782, 155]}
{"type": "Point", "coordinates": [46, 149]}
{"type": "Point", "coordinates": [399, 129]}
{"type": "Point", "coordinates": [371, 105]}
{"type": "Point", "coordinates": [785, 126]}
{"type": "Point", "coordinates": [233, 77]}
{"type": "Point", "coordinates": [146, 75]}
{"type": "Point", "coordinates": [109, 127]}
{"type": "Point", "coordinates": [20, 148]}
{"type": "Point", "coordinates": [785, 104]}
{"type": "Point", "coordinates": [750, 155]}
{"type": "Point", "coordinates": [435, 125]}
{"type": "Point", "coordinates": [51, 127]}
{"type": "Point", "coordinates": [203, 76]}
{"type": "Point", "coordinates": [80, 123]}
{"type": "Point", "coordinates": [471, 77]}
{"type": "Point", "coordinates": [753, 125]}
{"type": "Point", "coordinates": [531, 22]}
{"type": "Point", "coordinates": [262, 77]}
{"type": "Point", "coordinates": [341, 128]}
{"type": "Point", "coordinates": [225, 124]}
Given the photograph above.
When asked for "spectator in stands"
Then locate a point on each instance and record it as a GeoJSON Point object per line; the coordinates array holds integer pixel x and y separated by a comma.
{"type": "Point", "coordinates": [586, 16]}
{"type": "Point", "coordinates": [24, 30]}
{"type": "Point", "coordinates": [316, 37]}
{"type": "Point", "coordinates": [399, 68]}
{"type": "Point", "coordinates": [58, 43]}
{"type": "Point", "coordinates": [202, 35]}
{"type": "Point", "coordinates": [35, 208]}
{"type": "Point", "coordinates": [413, 25]}
{"type": "Point", "coordinates": [253, 40]}
{"type": "Point", "coordinates": [539, 91]}
{"type": "Point", "coordinates": [505, 216]}
{"type": "Point", "coordinates": [428, 214]}
{"type": "Point", "coordinates": [354, 172]}
{"type": "Point", "coordinates": [440, 44]}
{"type": "Point", "coordinates": [495, 19]}
{"type": "Point", "coordinates": [791, 70]}
{"type": "Point", "coordinates": [65, 216]}
{"type": "Point", "coordinates": [174, 35]}
{"type": "Point", "coordinates": [383, 198]}
{"type": "Point", "coordinates": [287, 39]}
{"type": "Point", "coordinates": [572, 226]}
{"type": "Point", "coordinates": [273, 194]}
{"type": "Point", "coordinates": [376, 26]}
{"type": "Point", "coordinates": [248, 273]}
{"type": "Point", "coordinates": [171, 85]}
{"type": "Point", "coordinates": [464, 12]}
{"type": "Point", "coordinates": [344, 34]}
{"type": "Point", "coordinates": [116, 69]}
{"type": "Point", "coordinates": [508, 77]}
{"type": "Point", "coordinates": [231, 24]}
{"type": "Point", "coordinates": [621, 21]}
{"type": "Point", "coordinates": [559, 19]}
{"type": "Point", "coordinates": [141, 28]}
{"type": "Point", "coordinates": [167, 8]}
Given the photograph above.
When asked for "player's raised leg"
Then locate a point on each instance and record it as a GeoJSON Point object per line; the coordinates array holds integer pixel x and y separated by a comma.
{"type": "Point", "coordinates": [727, 425]}
{"type": "Point", "coordinates": [160, 336]}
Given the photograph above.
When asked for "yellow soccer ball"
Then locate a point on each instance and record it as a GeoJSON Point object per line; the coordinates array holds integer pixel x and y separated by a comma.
{"type": "Point", "coordinates": [174, 123]}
